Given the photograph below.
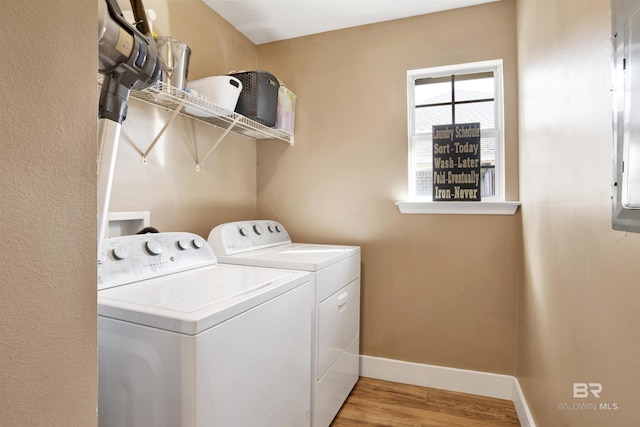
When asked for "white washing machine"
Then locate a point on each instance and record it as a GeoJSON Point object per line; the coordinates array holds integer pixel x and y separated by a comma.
{"type": "Point", "coordinates": [186, 342]}
{"type": "Point", "coordinates": [336, 306]}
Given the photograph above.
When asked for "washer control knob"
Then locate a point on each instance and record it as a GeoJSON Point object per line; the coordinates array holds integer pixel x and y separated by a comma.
{"type": "Point", "coordinates": [278, 229]}
{"type": "Point", "coordinates": [271, 228]}
{"type": "Point", "coordinates": [119, 253]}
{"type": "Point", "coordinates": [258, 229]}
{"type": "Point", "coordinates": [183, 244]}
{"type": "Point", "coordinates": [197, 243]}
{"type": "Point", "coordinates": [153, 247]}
{"type": "Point", "coordinates": [243, 232]}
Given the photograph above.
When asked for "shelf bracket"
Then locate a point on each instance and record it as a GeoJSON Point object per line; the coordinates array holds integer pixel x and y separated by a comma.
{"type": "Point", "coordinates": [162, 131]}
{"type": "Point", "coordinates": [218, 141]}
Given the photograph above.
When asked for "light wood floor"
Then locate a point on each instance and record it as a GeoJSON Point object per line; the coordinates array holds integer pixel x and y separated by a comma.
{"type": "Point", "coordinates": [383, 403]}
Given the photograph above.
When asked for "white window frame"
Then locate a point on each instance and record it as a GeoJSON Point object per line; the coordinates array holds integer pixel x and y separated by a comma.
{"type": "Point", "coordinates": [489, 205]}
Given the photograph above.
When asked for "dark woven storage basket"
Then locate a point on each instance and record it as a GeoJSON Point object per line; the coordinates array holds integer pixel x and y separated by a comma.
{"type": "Point", "coordinates": [259, 96]}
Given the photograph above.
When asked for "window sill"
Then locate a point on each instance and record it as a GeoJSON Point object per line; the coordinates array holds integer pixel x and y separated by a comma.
{"type": "Point", "coordinates": [458, 208]}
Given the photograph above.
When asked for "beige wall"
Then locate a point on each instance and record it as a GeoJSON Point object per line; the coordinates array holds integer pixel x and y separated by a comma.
{"type": "Point", "coordinates": [48, 363]}
{"type": "Point", "coordinates": [178, 197]}
{"type": "Point", "coordinates": [436, 289]}
{"type": "Point", "coordinates": [579, 315]}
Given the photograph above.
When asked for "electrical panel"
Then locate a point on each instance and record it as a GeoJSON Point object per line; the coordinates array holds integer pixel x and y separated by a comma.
{"type": "Point", "coordinates": [626, 115]}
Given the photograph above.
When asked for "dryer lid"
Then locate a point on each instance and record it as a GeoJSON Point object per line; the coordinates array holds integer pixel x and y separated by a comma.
{"type": "Point", "coordinates": [294, 256]}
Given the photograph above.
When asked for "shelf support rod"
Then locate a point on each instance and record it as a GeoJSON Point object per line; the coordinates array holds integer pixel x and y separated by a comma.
{"type": "Point", "coordinates": [162, 131]}
{"type": "Point", "coordinates": [220, 138]}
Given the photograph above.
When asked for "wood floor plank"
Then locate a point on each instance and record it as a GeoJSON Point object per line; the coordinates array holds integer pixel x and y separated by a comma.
{"type": "Point", "coordinates": [378, 403]}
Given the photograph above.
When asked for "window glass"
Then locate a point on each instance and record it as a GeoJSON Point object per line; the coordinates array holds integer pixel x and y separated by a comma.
{"type": "Point", "coordinates": [482, 112]}
{"type": "Point", "coordinates": [480, 87]}
{"type": "Point", "coordinates": [427, 117]}
{"type": "Point", "coordinates": [488, 166]}
{"type": "Point", "coordinates": [431, 91]}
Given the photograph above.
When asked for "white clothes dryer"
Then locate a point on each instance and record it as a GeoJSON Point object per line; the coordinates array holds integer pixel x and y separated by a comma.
{"type": "Point", "coordinates": [186, 342]}
{"type": "Point", "coordinates": [335, 273]}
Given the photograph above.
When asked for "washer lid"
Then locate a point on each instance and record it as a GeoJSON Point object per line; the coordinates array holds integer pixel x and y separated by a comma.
{"type": "Point", "coordinates": [294, 256]}
{"type": "Point", "coordinates": [192, 301]}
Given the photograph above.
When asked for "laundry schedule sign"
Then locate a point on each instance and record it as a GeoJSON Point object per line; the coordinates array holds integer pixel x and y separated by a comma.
{"type": "Point", "coordinates": [456, 163]}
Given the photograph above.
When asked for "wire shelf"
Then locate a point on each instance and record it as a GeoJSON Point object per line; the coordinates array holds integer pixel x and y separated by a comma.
{"type": "Point", "coordinates": [198, 108]}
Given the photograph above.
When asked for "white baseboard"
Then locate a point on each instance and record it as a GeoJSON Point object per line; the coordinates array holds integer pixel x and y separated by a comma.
{"type": "Point", "coordinates": [526, 419]}
{"type": "Point", "coordinates": [474, 382]}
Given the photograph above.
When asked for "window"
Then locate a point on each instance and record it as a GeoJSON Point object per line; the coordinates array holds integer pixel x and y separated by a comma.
{"type": "Point", "coordinates": [456, 94]}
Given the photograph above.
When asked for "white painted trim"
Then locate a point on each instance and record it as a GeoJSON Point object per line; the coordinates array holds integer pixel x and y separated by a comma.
{"type": "Point", "coordinates": [465, 381]}
{"type": "Point", "coordinates": [458, 208]}
{"type": "Point", "coordinates": [498, 386]}
{"type": "Point", "coordinates": [524, 414]}
{"type": "Point", "coordinates": [467, 68]}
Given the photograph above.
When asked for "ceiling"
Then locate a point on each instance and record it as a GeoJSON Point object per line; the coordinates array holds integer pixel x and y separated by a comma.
{"type": "Point", "coordinates": [264, 21]}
